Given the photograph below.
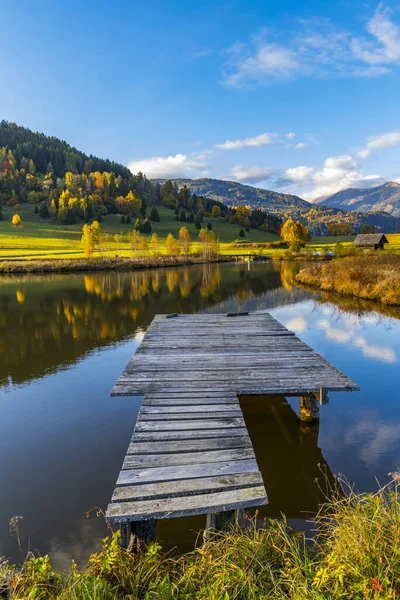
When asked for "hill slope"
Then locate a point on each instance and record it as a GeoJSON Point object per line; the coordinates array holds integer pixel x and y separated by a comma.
{"type": "Point", "coordinates": [383, 197]}
{"type": "Point", "coordinates": [48, 150]}
{"type": "Point", "coordinates": [231, 192]}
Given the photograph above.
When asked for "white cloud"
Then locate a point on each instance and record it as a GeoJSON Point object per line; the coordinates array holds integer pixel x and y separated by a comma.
{"type": "Point", "coordinates": [201, 53]}
{"type": "Point", "coordinates": [251, 174]}
{"type": "Point", "coordinates": [320, 50]}
{"type": "Point", "coordinates": [259, 140]}
{"type": "Point", "coordinates": [387, 140]}
{"type": "Point", "coordinates": [267, 61]}
{"type": "Point", "coordinates": [300, 146]}
{"type": "Point", "coordinates": [297, 324]}
{"type": "Point", "coordinates": [290, 135]}
{"type": "Point", "coordinates": [337, 173]}
{"type": "Point", "coordinates": [299, 174]}
{"type": "Point", "coordinates": [386, 48]}
{"type": "Point", "coordinates": [165, 167]}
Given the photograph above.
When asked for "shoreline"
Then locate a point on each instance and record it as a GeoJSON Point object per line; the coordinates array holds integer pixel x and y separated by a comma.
{"type": "Point", "coordinates": [102, 264]}
{"type": "Point", "coordinates": [372, 277]}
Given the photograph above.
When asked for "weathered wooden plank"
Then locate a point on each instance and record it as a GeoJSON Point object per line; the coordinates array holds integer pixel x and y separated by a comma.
{"type": "Point", "coordinates": [139, 461]}
{"type": "Point", "coordinates": [168, 417]}
{"type": "Point", "coordinates": [190, 401]}
{"type": "Point", "coordinates": [185, 487]}
{"type": "Point", "coordinates": [196, 445]}
{"type": "Point", "coordinates": [188, 410]}
{"type": "Point", "coordinates": [186, 505]}
{"type": "Point", "coordinates": [229, 423]}
{"type": "Point", "coordinates": [136, 476]}
{"type": "Point", "coordinates": [189, 434]}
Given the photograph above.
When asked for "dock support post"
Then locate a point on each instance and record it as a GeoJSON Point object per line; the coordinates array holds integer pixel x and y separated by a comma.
{"type": "Point", "coordinates": [223, 521]}
{"type": "Point", "coordinates": [309, 408]}
{"type": "Point", "coordinates": [138, 532]}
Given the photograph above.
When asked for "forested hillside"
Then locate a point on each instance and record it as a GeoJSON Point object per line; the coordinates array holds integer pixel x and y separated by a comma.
{"type": "Point", "coordinates": [234, 193]}
{"type": "Point", "coordinates": [67, 186]}
{"type": "Point", "coordinates": [317, 217]}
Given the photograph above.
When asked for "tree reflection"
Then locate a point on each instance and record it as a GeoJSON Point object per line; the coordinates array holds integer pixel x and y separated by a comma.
{"type": "Point", "coordinates": [47, 322]}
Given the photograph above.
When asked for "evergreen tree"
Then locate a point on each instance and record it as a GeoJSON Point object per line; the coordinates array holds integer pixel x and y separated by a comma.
{"type": "Point", "coordinates": [44, 211]}
{"type": "Point", "coordinates": [122, 219]}
{"type": "Point", "coordinates": [209, 227]}
{"type": "Point", "coordinates": [197, 223]}
{"type": "Point", "coordinates": [154, 216]}
{"type": "Point", "coordinates": [241, 233]}
{"type": "Point", "coordinates": [146, 227]}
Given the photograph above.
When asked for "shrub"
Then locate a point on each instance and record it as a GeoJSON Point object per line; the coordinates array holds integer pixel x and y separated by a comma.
{"type": "Point", "coordinates": [16, 220]}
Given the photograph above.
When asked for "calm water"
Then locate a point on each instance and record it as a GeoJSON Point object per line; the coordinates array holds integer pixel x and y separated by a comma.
{"type": "Point", "coordinates": [65, 339]}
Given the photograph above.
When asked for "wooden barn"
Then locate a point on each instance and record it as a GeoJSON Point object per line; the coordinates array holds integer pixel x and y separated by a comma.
{"type": "Point", "coordinates": [372, 241]}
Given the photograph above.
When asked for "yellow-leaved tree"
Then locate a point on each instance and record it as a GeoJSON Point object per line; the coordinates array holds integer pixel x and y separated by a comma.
{"type": "Point", "coordinates": [294, 233]}
{"type": "Point", "coordinates": [91, 237]}
{"type": "Point", "coordinates": [185, 240]}
{"type": "Point", "coordinates": [16, 220]}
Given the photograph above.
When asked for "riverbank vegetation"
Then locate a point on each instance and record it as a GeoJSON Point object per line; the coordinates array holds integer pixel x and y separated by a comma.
{"type": "Point", "coordinates": [354, 555]}
{"type": "Point", "coordinates": [371, 276]}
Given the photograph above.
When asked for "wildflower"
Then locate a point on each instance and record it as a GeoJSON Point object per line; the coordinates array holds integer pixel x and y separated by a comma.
{"type": "Point", "coordinates": [376, 585]}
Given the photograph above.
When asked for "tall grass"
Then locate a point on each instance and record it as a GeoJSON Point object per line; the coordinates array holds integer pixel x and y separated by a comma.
{"type": "Point", "coordinates": [372, 276]}
{"type": "Point", "coordinates": [355, 555]}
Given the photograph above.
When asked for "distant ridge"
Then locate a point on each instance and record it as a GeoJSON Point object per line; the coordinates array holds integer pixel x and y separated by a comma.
{"type": "Point", "coordinates": [384, 197]}
{"type": "Point", "coordinates": [231, 192]}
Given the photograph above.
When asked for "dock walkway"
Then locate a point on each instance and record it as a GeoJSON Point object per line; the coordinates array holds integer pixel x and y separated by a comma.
{"type": "Point", "coordinates": [190, 452]}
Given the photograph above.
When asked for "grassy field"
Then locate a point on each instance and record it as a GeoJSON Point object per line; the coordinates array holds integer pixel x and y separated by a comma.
{"type": "Point", "coordinates": [39, 238]}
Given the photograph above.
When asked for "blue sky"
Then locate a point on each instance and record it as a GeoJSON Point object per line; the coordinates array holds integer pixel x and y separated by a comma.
{"type": "Point", "coordinates": [297, 97]}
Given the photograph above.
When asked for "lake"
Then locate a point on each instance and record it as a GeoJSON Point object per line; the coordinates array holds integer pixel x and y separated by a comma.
{"type": "Point", "coordinates": [64, 340]}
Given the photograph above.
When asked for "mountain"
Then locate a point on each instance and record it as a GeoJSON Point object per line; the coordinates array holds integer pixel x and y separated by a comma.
{"type": "Point", "coordinates": [317, 217]}
{"type": "Point", "coordinates": [233, 193]}
{"type": "Point", "coordinates": [384, 197]}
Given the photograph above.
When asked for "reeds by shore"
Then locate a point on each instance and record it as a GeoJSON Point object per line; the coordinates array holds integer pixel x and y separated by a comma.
{"type": "Point", "coordinates": [371, 276]}
{"type": "Point", "coordinates": [355, 555]}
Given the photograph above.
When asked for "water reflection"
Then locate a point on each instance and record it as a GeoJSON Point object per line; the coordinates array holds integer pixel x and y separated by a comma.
{"type": "Point", "coordinates": [297, 475]}
{"type": "Point", "coordinates": [64, 340]}
{"type": "Point", "coordinates": [52, 321]}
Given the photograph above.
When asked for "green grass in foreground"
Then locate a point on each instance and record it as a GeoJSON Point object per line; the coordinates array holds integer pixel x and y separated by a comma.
{"type": "Point", "coordinates": [354, 556]}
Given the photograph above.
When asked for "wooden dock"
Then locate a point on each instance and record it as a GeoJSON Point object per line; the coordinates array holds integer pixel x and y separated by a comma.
{"type": "Point", "coordinates": [190, 452]}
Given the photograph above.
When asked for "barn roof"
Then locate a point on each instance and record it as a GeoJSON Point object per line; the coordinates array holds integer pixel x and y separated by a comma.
{"type": "Point", "coordinates": [370, 239]}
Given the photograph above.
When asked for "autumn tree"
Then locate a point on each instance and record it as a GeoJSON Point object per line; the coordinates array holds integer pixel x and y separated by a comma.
{"type": "Point", "coordinates": [294, 233]}
{"type": "Point", "coordinates": [16, 220]}
{"type": "Point", "coordinates": [340, 229]}
{"type": "Point", "coordinates": [216, 211]}
{"type": "Point", "coordinates": [91, 235]}
{"type": "Point", "coordinates": [185, 240]}
{"type": "Point", "coordinates": [209, 243]}
{"type": "Point", "coordinates": [171, 246]}
{"type": "Point", "coordinates": [241, 216]}
{"type": "Point", "coordinates": [154, 244]}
